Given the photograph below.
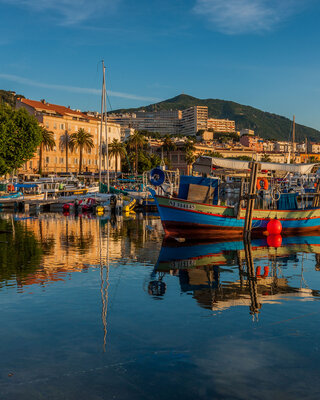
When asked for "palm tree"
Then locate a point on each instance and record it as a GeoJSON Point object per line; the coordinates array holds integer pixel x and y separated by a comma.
{"type": "Point", "coordinates": [47, 140]}
{"type": "Point", "coordinates": [189, 149]}
{"type": "Point", "coordinates": [168, 145]}
{"type": "Point", "coordinates": [190, 159]}
{"type": "Point", "coordinates": [82, 140]}
{"type": "Point", "coordinates": [116, 149]}
{"type": "Point", "coordinates": [136, 142]}
{"type": "Point", "coordinates": [65, 144]}
{"type": "Point", "coordinates": [265, 158]}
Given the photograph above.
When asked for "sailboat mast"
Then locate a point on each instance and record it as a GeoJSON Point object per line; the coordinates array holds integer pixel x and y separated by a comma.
{"type": "Point", "coordinates": [106, 127]}
{"type": "Point", "coordinates": [293, 137]}
{"type": "Point", "coordinates": [101, 123]}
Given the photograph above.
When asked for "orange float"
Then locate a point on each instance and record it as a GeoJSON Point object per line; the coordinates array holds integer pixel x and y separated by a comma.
{"type": "Point", "coordinates": [262, 183]}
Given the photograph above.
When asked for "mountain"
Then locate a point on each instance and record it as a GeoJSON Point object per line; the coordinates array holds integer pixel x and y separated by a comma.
{"type": "Point", "coordinates": [8, 97]}
{"type": "Point", "coordinates": [265, 124]}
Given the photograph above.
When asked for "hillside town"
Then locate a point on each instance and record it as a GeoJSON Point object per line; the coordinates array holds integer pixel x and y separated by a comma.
{"type": "Point", "coordinates": [177, 137]}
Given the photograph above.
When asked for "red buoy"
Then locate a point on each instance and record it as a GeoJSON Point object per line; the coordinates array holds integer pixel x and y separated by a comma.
{"type": "Point", "coordinates": [274, 240]}
{"type": "Point", "coordinates": [274, 227]}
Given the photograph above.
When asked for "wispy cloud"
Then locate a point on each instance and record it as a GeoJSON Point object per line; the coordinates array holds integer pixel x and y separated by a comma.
{"type": "Point", "coordinates": [247, 16]}
{"type": "Point", "coordinates": [69, 12]}
{"type": "Point", "coordinates": [73, 89]}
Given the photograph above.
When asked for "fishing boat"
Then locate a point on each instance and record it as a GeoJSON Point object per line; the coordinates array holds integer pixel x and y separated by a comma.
{"type": "Point", "coordinates": [195, 212]}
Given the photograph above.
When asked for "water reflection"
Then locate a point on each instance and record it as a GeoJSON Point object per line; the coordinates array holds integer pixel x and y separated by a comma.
{"type": "Point", "coordinates": [20, 252]}
{"type": "Point", "coordinates": [221, 275]}
{"type": "Point", "coordinates": [80, 320]}
{"type": "Point", "coordinates": [49, 247]}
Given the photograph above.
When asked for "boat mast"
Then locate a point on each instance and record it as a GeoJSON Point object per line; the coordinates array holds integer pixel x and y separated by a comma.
{"type": "Point", "coordinates": [106, 127]}
{"type": "Point", "coordinates": [101, 123]}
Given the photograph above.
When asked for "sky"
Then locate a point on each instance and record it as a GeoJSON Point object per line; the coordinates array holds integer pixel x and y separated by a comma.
{"type": "Point", "coordinates": [262, 53]}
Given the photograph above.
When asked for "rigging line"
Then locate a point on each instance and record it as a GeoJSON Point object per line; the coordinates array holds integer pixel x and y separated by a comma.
{"type": "Point", "coordinates": [111, 109]}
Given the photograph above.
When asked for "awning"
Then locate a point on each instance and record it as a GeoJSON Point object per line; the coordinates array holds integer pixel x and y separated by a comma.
{"type": "Point", "coordinates": [204, 165]}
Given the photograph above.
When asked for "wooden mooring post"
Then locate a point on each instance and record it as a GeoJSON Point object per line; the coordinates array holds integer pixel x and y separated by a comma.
{"type": "Point", "coordinates": [251, 197]}
{"type": "Point", "coordinates": [252, 280]}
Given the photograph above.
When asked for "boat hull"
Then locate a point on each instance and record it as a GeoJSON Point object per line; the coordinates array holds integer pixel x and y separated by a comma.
{"type": "Point", "coordinates": [196, 221]}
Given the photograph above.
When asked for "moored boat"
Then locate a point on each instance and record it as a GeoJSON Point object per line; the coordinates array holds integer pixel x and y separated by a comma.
{"type": "Point", "coordinates": [195, 213]}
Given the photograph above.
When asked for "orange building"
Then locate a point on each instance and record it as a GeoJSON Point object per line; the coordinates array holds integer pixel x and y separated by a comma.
{"type": "Point", "coordinates": [59, 120]}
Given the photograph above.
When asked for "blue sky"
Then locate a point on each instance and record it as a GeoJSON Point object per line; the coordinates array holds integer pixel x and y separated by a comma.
{"type": "Point", "coordinates": [263, 53]}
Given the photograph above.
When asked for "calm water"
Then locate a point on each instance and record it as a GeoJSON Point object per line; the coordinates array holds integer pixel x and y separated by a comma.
{"type": "Point", "coordinates": [98, 309]}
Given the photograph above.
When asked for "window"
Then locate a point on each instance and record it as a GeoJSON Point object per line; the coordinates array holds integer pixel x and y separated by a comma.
{"type": "Point", "coordinates": [174, 158]}
{"type": "Point", "coordinates": [30, 164]}
{"type": "Point", "coordinates": [109, 129]}
{"type": "Point", "coordinates": [47, 160]}
{"type": "Point", "coordinates": [54, 126]}
{"type": "Point", "coordinates": [61, 126]}
{"type": "Point", "coordinates": [47, 124]}
{"type": "Point", "coordinates": [56, 160]}
{"type": "Point", "coordinates": [89, 162]}
{"type": "Point", "coordinates": [61, 160]}
{"type": "Point", "coordinates": [76, 128]}
{"type": "Point", "coordinates": [89, 130]}
{"type": "Point", "coordinates": [89, 151]}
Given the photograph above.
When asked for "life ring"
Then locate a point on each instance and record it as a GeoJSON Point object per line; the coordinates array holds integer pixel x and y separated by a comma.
{"type": "Point", "coordinates": [262, 183]}
{"type": "Point", "coordinates": [157, 177]}
{"type": "Point", "coordinates": [265, 272]}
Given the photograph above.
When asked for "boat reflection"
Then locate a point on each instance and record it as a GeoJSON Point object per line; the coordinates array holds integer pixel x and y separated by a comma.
{"type": "Point", "coordinates": [221, 275]}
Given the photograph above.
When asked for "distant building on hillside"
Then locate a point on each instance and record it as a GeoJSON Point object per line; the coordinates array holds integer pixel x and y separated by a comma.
{"type": "Point", "coordinates": [313, 147]}
{"type": "Point", "coordinates": [221, 125]}
{"type": "Point", "coordinates": [249, 132]}
{"type": "Point", "coordinates": [165, 122]}
{"type": "Point", "coordinates": [194, 119]}
{"type": "Point", "coordinates": [253, 142]}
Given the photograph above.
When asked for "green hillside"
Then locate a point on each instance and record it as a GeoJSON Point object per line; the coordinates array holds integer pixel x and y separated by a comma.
{"type": "Point", "coordinates": [7, 97]}
{"type": "Point", "coordinates": [265, 124]}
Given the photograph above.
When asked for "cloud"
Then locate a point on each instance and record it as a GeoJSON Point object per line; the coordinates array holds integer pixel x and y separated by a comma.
{"type": "Point", "coordinates": [69, 12]}
{"type": "Point", "coordinates": [246, 16]}
{"type": "Point", "coordinates": [74, 89]}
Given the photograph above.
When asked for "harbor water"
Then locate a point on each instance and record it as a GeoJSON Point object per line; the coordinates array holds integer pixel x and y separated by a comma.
{"type": "Point", "coordinates": [104, 308]}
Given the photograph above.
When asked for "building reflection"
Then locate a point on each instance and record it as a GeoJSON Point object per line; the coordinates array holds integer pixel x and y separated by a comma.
{"type": "Point", "coordinates": [53, 245]}
{"type": "Point", "coordinates": [222, 275]}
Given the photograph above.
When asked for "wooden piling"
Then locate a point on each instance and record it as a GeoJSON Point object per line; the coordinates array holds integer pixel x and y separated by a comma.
{"type": "Point", "coordinates": [251, 197]}
{"type": "Point", "coordinates": [252, 279]}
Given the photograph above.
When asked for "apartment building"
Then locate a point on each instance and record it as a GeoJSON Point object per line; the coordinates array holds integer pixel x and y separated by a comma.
{"type": "Point", "coordinates": [313, 147]}
{"type": "Point", "coordinates": [253, 142]}
{"type": "Point", "coordinates": [221, 125]}
{"type": "Point", "coordinates": [165, 122]}
{"type": "Point", "coordinates": [59, 120]}
{"type": "Point", "coordinates": [194, 119]}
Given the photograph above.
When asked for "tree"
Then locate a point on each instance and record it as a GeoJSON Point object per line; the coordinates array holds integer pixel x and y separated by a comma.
{"type": "Point", "coordinates": [168, 145]}
{"type": "Point", "coordinates": [47, 140]}
{"type": "Point", "coordinates": [190, 159]}
{"type": "Point", "coordinates": [20, 135]}
{"type": "Point", "coordinates": [265, 158]}
{"type": "Point", "coordinates": [136, 142]}
{"type": "Point", "coordinates": [116, 149]}
{"type": "Point", "coordinates": [65, 144]}
{"type": "Point", "coordinates": [81, 140]}
{"type": "Point", "coordinates": [215, 154]}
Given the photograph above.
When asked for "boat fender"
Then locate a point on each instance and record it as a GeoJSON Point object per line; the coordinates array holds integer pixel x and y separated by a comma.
{"type": "Point", "coordinates": [157, 177]}
{"type": "Point", "coordinates": [263, 184]}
